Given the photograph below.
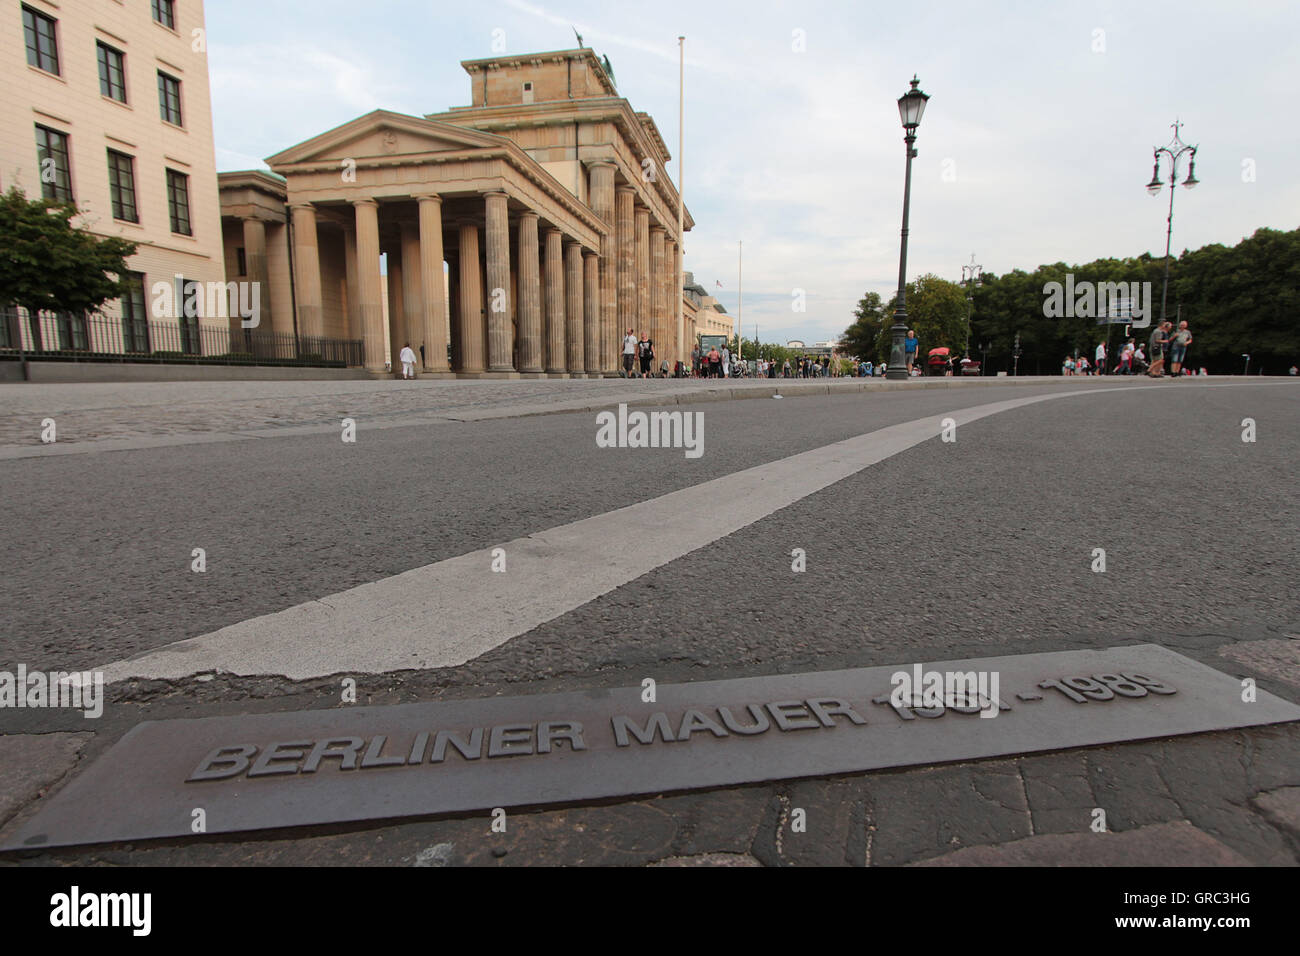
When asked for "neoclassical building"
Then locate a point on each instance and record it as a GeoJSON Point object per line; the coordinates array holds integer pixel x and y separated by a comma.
{"type": "Point", "coordinates": [523, 234]}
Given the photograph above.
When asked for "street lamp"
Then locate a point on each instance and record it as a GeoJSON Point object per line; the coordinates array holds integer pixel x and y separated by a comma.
{"type": "Point", "coordinates": [910, 107]}
{"type": "Point", "coordinates": [1175, 151]}
{"type": "Point", "coordinates": [970, 277]}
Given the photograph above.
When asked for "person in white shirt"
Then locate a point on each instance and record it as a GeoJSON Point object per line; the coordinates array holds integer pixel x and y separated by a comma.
{"type": "Point", "coordinates": [726, 362]}
{"type": "Point", "coordinates": [407, 358]}
{"type": "Point", "coordinates": [629, 352]}
{"type": "Point", "coordinates": [1101, 359]}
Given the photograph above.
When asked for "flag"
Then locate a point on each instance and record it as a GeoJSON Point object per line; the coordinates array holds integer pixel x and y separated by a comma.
{"type": "Point", "coordinates": [717, 283]}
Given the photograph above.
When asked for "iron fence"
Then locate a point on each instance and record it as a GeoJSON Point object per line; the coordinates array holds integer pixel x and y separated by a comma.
{"type": "Point", "coordinates": [68, 336]}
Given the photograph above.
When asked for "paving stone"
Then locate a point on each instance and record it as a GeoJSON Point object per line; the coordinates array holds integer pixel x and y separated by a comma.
{"type": "Point", "coordinates": [1163, 844]}
{"type": "Point", "coordinates": [710, 859]}
{"type": "Point", "coordinates": [1278, 658]}
{"type": "Point", "coordinates": [32, 763]}
{"type": "Point", "coordinates": [936, 810]}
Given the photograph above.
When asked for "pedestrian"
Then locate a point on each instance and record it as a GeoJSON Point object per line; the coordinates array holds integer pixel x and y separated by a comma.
{"type": "Point", "coordinates": [1081, 365]}
{"type": "Point", "coordinates": [910, 345]}
{"type": "Point", "coordinates": [715, 362]}
{"type": "Point", "coordinates": [645, 351]}
{"type": "Point", "coordinates": [407, 358]}
{"type": "Point", "coordinates": [629, 353]}
{"type": "Point", "coordinates": [1158, 342]}
{"type": "Point", "coordinates": [695, 361]}
{"type": "Point", "coordinates": [1101, 358]}
{"type": "Point", "coordinates": [1067, 367]}
{"type": "Point", "coordinates": [1178, 348]}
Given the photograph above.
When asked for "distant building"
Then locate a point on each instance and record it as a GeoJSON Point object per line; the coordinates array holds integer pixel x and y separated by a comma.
{"type": "Point", "coordinates": [704, 313]}
{"type": "Point", "coordinates": [524, 233]}
{"type": "Point", "coordinates": [106, 105]}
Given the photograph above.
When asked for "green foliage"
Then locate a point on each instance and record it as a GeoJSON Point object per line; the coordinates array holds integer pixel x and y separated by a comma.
{"type": "Point", "coordinates": [936, 309]}
{"type": "Point", "coordinates": [869, 317]}
{"type": "Point", "coordinates": [1239, 299]}
{"type": "Point", "coordinates": [48, 263]}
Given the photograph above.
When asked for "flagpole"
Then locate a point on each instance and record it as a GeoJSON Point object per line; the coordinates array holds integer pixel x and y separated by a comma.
{"type": "Point", "coordinates": [740, 304]}
{"type": "Point", "coordinates": [683, 353]}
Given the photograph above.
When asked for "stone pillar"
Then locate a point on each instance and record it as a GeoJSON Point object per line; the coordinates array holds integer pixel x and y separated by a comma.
{"type": "Point", "coordinates": [412, 290]}
{"type": "Point", "coordinates": [643, 317]}
{"type": "Point", "coordinates": [554, 268]}
{"type": "Point", "coordinates": [530, 297]}
{"type": "Point", "coordinates": [351, 317]}
{"type": "Point", "coordinates": [306, 258]}
{"type": "Point", "coordinates": [397, 336]}
{"type": "Point", "coordinates": [591, 313]}
{"type": "Point", "coordinates": [660, 333]}
{"type": "Point", "coordinates": [255, 263]}
{"type": "Point", "coordinates": [471, 302]}
{"type": "Point", "coordinates": [601, 195]}
{"type": "Point", "coordinates": [370, 303]}
{"type": "Point", "coordinates": [433, 318]}
{"type": "Point", "coordinates": [625, 227]}
{"type": "Point", "coordinates": [573, 310]}
{"type": "Point", "coordinates": [498, 283]}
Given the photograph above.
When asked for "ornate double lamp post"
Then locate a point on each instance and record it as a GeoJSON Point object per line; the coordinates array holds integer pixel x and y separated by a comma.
{"type": "Point", "coordinates": [910, 107]}
{"type": "Point", "coordinates": [1175, 151]}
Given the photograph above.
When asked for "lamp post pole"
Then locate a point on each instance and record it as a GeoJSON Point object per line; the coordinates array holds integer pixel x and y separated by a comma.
{"type": "Point", "coordinates": [1175, 151]}
{"type": "Point", "coordinates": [910, 107]}
{"type": "Point", "coordinates": [970, 277]}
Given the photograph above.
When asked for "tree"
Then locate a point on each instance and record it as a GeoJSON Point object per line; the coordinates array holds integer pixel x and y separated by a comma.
{"type": "Point", "coordinates": [860, 338]}
{"type": "Point", "coordinates": [936, 309]}
{"type": "Point", "coordinates": [47, 263]}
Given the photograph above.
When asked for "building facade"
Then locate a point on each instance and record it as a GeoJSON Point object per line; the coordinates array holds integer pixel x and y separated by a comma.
{"type": "Point", "coordinates": [523, 234]}
{"type": "Point", "coordinates": [107, 105]}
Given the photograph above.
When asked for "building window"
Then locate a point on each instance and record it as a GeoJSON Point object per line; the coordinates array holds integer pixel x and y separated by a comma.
{"type": "Point", "coordinates": [178, 201]}
{"type": "Point", "coordinates": [52, 157]}
{"type": "Point", "coordinates": [135, 315]}
{"type": "Point", "coordinates": [164, 12]}
{"type": "Point", "coordinates": [112, 72]}
{"type": "Point", "coordinates": [169, 98]}
{"type": "Point", "coordinates": [71, 328]}
{"type": "Point", "coordinates": [42, 46]}
{"type": "Point", "coordinates": [189, 303]}
{"type": "Point", "coordinates": [121, 186]}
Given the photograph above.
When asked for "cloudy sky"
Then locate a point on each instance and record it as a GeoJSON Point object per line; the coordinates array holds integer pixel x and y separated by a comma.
{"type": "Point", "coordinates": [1035, 146]}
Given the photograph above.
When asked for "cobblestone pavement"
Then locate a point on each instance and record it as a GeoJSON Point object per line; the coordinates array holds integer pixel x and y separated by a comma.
{"type": "Point", "coordinates": [105, 412]}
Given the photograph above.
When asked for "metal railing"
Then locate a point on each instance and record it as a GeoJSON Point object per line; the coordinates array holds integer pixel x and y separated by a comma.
{"type": "Point", "coordinates": [68, 336]}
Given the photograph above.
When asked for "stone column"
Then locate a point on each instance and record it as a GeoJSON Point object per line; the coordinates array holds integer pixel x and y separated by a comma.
{"type": "Point", "coordinates": [370, 304]}
{"type": "Point", "coordinates": [660, 333]}
{"type": "Point", "coordinates": [498, 283]}
{"type": "Point", "coordinates": [397, 336]}
{"type": "Point", "coordinates": [306, 258]}
{"type": "Point", "coordinates": [530, 297]}
{"type": "Point", "coordinates": [351, 317]}
{"type": "Point", "coordinates": [643, 317]}
{"type": "Point", "coordinates": [625, 227]}
{"type": "Point", "coordinates": [471, 302]}
{"type": "Point", "coordinates": [573, 311]}
{"type": "Point", "coordinates": [601, 194]}
{"type": "Point", "coordinates": [412, 289]}
{"type": "Point", "coordinates": [554, 268]}
{"type": "Point", "coordinates": [433, 318]}
{"type": "Point", "coordinates": [255, 263]}
{"type": "Point", "coordinates": [591, 313]}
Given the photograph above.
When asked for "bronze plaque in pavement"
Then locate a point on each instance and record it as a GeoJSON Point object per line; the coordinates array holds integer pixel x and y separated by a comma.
{"type": "Point", "coordinates": [456, 756]}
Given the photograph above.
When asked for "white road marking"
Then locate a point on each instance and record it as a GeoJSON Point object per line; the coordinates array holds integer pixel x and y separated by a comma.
{"type": "Point", "coordinates": [450, 612]}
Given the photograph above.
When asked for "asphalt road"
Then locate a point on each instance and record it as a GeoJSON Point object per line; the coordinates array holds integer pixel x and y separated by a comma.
{"type": "Point", "coordinates": [977, 547]}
